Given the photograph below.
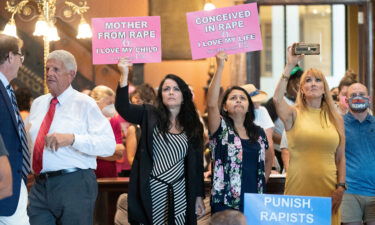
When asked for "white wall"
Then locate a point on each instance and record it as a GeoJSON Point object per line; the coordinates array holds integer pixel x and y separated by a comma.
{"type": "Point", "coordinates": [339, 46]}
{"type": "Point", "coordinates": [268, 84]}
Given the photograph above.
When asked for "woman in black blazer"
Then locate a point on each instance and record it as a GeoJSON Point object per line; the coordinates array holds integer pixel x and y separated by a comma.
{"type": "Point", "coordinates": [166, 181]}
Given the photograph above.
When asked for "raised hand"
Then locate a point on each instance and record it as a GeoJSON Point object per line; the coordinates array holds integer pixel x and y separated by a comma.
{"type": "Point", "coordinates": [220, 58]}
{"type": "Point", "coordinates": [123, 65]}
{"type": "Point", "coordinates": [214, 92]}
{"type": "Point", "coordinates": [292, 59]}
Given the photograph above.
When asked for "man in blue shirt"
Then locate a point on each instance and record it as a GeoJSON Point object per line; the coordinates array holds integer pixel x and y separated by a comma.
{"type": "Point", "coordinates": [358, 204]}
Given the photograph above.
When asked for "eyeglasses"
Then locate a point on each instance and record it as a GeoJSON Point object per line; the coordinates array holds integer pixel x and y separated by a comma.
{"type": "Point", "coordinates": [22, 56]}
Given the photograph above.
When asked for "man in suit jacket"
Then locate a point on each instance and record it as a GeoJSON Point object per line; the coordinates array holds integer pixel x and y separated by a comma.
{"type": "Point", "coordinates": [13, 208]}
{"type": "Point", "coordinates": [5, 173]}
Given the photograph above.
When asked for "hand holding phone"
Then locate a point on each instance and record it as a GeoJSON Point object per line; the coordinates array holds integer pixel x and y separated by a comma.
{"type": "Point", "coordinates": [306, 49]}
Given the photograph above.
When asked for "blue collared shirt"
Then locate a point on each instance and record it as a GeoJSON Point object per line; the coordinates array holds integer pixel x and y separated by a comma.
{"type": "Point", "coordinates": [5, 82]}
{"type": "Point", "coordinates": [360, 155]}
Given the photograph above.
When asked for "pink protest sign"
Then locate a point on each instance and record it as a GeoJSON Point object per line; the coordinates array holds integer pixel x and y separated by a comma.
{"type": "Point", "coordinates": [232, 30]}
{"type": "Point", "coordinates": [135, 37]}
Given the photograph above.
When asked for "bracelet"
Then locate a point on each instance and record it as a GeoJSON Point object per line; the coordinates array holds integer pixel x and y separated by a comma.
{"type": "Point", "coordinates": [343, 185]}
{"type": "Point", "coordinates": [284, 77]}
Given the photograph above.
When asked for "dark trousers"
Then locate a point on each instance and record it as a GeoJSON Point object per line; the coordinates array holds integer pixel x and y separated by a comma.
{"type": "Point", "coordinates": [68, 199]}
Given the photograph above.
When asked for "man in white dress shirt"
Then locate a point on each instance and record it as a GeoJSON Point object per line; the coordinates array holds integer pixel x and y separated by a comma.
{"type": "Point", "coordinates": [68, 131]}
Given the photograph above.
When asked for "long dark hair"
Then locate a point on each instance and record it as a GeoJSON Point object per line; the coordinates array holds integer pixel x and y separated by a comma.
{"type": "Point", "coordinates": [187, 118]}
{"type": "Point", "coordinates": [252, 130]}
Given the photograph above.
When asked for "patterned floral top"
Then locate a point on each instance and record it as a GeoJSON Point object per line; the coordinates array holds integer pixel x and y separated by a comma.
{"type": "Point", "coordinates": [227, 153]}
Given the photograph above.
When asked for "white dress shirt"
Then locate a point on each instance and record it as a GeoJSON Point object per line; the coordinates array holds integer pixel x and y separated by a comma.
{"type": "Point", "coordinates": [77, 114]}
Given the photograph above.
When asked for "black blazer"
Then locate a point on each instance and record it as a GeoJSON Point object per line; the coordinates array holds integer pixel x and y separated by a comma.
{"type": "Point", "coordinates": [12, 141]}
{"type": "Point", "coordinates": [139, 195]}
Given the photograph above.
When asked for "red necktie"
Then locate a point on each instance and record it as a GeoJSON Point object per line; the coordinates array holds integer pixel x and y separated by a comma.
{"type": "Point", "coordinates": [39, 143]}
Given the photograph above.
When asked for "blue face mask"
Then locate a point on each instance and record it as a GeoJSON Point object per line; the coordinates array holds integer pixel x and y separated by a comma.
{"type": "Point", "coordinates": [358, 103]}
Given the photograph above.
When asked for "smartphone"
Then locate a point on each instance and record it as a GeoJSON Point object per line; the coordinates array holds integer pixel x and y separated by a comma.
{"type": "Point", "coordinates": [306, 49]}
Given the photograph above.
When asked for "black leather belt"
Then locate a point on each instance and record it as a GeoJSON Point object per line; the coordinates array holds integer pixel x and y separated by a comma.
{"type": "Point", "coordinates": [56, 173]}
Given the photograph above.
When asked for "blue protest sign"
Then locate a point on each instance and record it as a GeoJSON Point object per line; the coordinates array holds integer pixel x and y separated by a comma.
{"type": "Point", "coordinates": [264, 209]}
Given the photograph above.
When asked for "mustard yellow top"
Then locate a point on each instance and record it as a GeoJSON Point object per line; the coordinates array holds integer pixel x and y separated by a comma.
{"type": "Point", "coordinates": [312, 144]}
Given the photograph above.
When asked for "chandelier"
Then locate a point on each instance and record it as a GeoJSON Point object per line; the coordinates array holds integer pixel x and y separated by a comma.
{"type": "Point", "coordinates": [47, 13]}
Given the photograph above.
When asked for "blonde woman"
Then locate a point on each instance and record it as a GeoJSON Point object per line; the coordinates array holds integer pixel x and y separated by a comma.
{"type": "Point", "coordinates": [105, 98]}
{"type": "Point", "coordinates": [316, 138]}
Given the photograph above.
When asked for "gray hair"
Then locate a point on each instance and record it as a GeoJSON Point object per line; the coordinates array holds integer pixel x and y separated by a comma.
{"type": "Point", "coordinates": [65, 57]}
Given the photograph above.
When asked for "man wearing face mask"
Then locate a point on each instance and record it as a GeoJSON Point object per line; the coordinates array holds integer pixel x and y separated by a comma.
{"type": "Point", "coordinates": [358, 203]}
{"type": "Point", "coordinates": [349, 78]}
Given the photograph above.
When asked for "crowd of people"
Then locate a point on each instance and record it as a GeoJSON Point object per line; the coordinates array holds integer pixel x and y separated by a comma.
{"type": "Point", "coordinates": [322, 139]}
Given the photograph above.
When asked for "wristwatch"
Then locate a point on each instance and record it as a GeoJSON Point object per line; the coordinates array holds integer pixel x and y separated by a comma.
{"type": "Point", "coordinates": [342, 185]}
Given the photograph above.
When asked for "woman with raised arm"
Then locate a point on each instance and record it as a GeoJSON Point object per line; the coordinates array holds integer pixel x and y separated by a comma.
{"type": "Point", "coordinates": [315, 135]}
{"type": "Point", "coordinates": [166, 181]}
{"type": "Point", "coordinates": [143, 94]}
{"type": "Point", "coordinates": [241, 160]}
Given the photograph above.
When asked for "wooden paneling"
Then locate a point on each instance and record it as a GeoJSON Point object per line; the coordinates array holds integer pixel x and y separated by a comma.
{"type": "Point", "coordinates": [175, 38]}
{"type": "Point", "coordinates": [352, 37]}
